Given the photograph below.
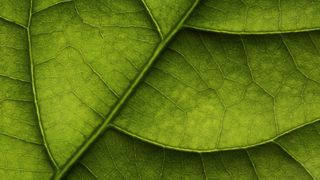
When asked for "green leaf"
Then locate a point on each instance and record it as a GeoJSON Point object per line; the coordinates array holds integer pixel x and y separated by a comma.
{"type": "Point", "coordinates": [69, 69]}
{"type": "Point", "coordinates": [212, 92]}
{"type": "Point", "coordinates": [256, 17]}
{"type": "Point", "coordinates": [21, 147]}
{"type": "Point", "coordinates": [118, 156]}
{"type": "Point", "coordinates": [16, 11]}
{"type": "Point", "coordinates": [72, 65]}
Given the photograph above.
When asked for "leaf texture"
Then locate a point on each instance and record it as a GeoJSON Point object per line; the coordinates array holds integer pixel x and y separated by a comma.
{"type": "Point", "coordinates": [76, 88]}
{"type": "Point", "coordinates": [23, 153]}
{"type": "Point", "coordinates": [118, 156]}
{"type": "Point", "coordinates": [77, 75]}
{"type": "Point", "coordinates": [213, 91]}
{"type": "Point", "coordinates": [256, 17]}
{"type": "Point", "coordinates": [70, 69]}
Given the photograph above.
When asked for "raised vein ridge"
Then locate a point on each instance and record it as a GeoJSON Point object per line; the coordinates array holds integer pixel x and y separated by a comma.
{"type": "Point", "coordinates": [294, 158]}
{"type": "Point", "coordinates": [122, 100]}
{"type": "Point", "coordinates": [153, 19]}
{"type": "Point", "coordinates": [34, 91]}
{"type": "Point", "coordinates": [250, 32]}
{"type": "Point", "coordinates": [271, 140]}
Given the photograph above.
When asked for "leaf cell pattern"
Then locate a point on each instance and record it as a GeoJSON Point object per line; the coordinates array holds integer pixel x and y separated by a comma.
{"type": "Point", "coordinates": [244, 106]}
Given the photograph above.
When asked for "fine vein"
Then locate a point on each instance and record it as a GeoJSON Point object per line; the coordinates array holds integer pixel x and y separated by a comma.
{"type": "Point", "coordinates": [252, 164]}
{"type": "Point", "coordinates": [294, 158]}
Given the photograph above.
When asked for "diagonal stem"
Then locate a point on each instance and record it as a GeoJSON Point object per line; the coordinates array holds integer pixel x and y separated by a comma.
{"type": "Point", "coordinates": [127, 94]}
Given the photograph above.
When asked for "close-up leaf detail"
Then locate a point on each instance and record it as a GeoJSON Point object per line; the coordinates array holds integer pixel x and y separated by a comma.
{"type": "Point", "coordinates": [118, 156]}
{"type": "Point", "coordinates": [147, 89]}
{"type": "Point", "coordinates": [256, 16]}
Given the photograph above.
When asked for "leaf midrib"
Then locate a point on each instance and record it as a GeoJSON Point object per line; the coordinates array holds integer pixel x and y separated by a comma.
{"type": "Point", "coordinates": [121, 102]}
{"type": "Point", "coordinates": [125, 96]}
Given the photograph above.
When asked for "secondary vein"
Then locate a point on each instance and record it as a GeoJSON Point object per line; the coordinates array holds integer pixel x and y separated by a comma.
{"type": "Point", "coordinates": [34, 91]}
{"type": "Point", "coordinates": [153, 18]}
{"type": "Point", "coordinates": [294, 158]}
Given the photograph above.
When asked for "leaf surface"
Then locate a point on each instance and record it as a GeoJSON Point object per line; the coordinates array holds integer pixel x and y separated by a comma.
{"type": "Point", "coordinates": [118, 156]}
{"type": "Point", "coordinates": [21, 146]}
{"type": "Point", "coordinates": [70, 67]}
{"type": "Point", "coordinates": [78, 84]}
{"type": "Point", "coordinates": [211, 91]}
{"type": "Point", "coordinates": [74, 64]}
{"type": "Point", "coordinates": [256, 17]}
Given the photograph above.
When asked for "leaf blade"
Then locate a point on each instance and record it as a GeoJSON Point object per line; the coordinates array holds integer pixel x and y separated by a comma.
{"type": "Point", "coordinates": [256, 17]}
{"type": "Point", "coordinates": [21, 146]}
{"type": "Point", "coordinates": [216, 92]}
{"type": "Point", "coordinates": [116, 153]}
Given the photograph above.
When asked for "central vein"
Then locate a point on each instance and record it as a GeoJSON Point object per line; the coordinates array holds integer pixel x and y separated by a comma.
{"type": "Point", "coordinates": [126, 95]}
